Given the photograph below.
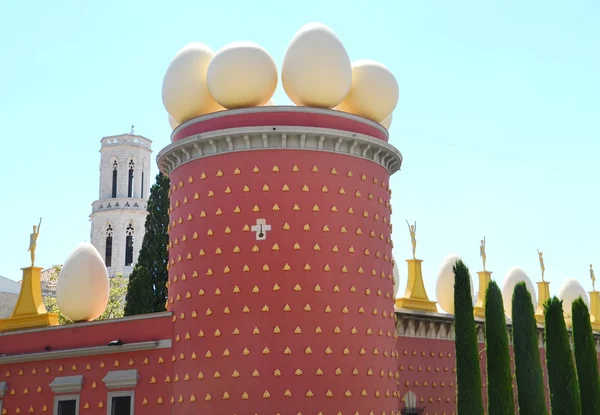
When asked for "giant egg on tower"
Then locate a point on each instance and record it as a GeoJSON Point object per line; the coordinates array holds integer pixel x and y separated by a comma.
{"type": "Point", "coordinates": [513, 277]}
{"type": "Point", "coordinates": [242, 74]}
{"type": "Point", "coordinates": [444, 287]}
{"type": "Point", "coordinates": [374, 92]}
{"type": "Point", "coordinates": [83, 286]}
{"type": "Point", "coordinates": [316, 69]}
{"type": "Point", "coordinates": [185, 91]}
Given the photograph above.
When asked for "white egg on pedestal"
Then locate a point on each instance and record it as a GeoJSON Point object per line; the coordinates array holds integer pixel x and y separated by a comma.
{"type": "Point", "coordinates": [83, 286]}
{"type": "Point", "coordinates": [396, 274]}
{"type": "Point", "coordinates": [568, 293]}
{"type": "Point", "coordinates": [374, 91]}
{"type": "Point", "coordinates": [242, 74]}
{"type": "Point", "coordinates": [513, 277]}
{"type": "Point", "coordinates": [316, 69]}
{"type": "Point", "coordinates": [444, 286]}
{"type": "Point", "coordinates": [387, 123]}
{"type": "Point", "coordinates": [173, 123]}
{"type": "Point", "coordinates": [185, 93]}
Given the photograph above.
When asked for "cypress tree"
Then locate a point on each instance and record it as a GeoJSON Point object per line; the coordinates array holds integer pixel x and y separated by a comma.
{"type": "Point", "coordinates": [562, 379]}
{"type": "Point", "coordinates": [468, 376]}
{"type": "Point", "coordinates": [586, 359]}
{"type": "Point", "coordinates": [140, 292]}
{"type": "Point", "coordinates": [499, 377]}
{"type": "Point", "coordinates": [149, 293]}
{"type": "Point", "coordinates": [528, 366]}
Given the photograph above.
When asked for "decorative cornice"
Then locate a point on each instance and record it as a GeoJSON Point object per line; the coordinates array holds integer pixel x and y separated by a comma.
{"type": "Point", "coordinates": [438, 326]}
{"type": "Point", "coordinates": [73, 326]}
{"type": "Point", "coordinates": [120, 203]}
{"type": "Point", "coordinates": [117, 379]}
{"type": "Point", "coordinates": [67, 384]}
{"type": "Point", "coordinates": [126, 139]}
{"type": "Point", "coordinates": [278, 138]}
{"type": "Point", "coordinates": [85, 351]}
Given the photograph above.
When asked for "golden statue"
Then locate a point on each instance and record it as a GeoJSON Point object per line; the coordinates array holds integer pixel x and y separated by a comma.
{"type": "Point", "coordinates": [541, 256]}
{"type": "Point", "coordinates": [593, 277]}
{"type": "Point", "coordinates": [33, 240]}
{"type": "Point", "coordinates": [482, 253]}
{"type": "Point", "coordinates": [413, 239]}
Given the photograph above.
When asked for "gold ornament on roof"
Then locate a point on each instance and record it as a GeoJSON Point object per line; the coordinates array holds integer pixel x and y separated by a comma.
{"type": "Point", "coordinates": [542, 266]}
{"type": "Point", "coordinates": [413, 238]}
{"type": "Point", "coordinates": [33, 241]}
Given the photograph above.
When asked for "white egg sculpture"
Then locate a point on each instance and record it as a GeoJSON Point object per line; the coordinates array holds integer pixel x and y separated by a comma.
{"type": "Point", "coordinates": [374, 92]}
{"type": "Point", "coordinates": [316, 70]}
{"type": "Point", "coordinates": [396, 274]}
{"type": "Point", "coordinates": [242, 74]}
{"type": "Point", "coordinates": [173, 123]}
{"type": "Point", "coordinates": [569, 292]}
{"type": "Point", "coordinates": [513, 277]}
{"type": "Point", "coordinates": [185, 92]}
{"type": "Point", "coordinates": [82, 289]}
{"type": "Point", "coordinates": [387, 123]}
{"type": "Point", "coordinates": [444, 286]}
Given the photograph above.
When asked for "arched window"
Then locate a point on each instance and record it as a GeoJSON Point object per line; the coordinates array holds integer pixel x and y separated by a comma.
{"type": "Point", "coordinates": [109, 243]}
{"type": "Point", "coordinates": [129, 245]}
{"type": "Point", "coordinates": [114, 178]}
{"type": "Point", "coordinates": [142, 193]}
{"type": "Point", "coordinates": [130, 179]}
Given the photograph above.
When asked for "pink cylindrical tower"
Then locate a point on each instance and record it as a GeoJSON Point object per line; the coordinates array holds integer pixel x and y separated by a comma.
{"type": "Point", "coordinates": [280, 261]}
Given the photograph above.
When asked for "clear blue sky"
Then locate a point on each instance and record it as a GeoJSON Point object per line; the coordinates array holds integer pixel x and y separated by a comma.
{"type": "Point", "coordinates": [498, 118]}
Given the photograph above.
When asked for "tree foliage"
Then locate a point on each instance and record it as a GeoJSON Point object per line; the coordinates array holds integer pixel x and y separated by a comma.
{"type": "Point", "coordinates": [528, 366]}
{"type": "Point", "coordinates": [468, 376]}
{"type": "Point", "coordinates": [147, 291]}
{"type": "Point", "coordinates": [140, 292]}
{"type": "Point", "coordinates": [562, 379]}
{"type": "Point", "coordinates": [499, 377]}
{"type": "Point", "coordinates": [116, 297]}
{"type": "Point", "coordinates": [586, 359]}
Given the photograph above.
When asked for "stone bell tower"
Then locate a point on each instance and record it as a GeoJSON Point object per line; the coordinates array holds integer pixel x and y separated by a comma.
{"type": "Point", "coordinates": [119, 214]}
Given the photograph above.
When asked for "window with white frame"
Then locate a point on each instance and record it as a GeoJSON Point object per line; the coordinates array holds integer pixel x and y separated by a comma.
{"type": "Point", "coordinates": [120, 403]}
{"type": "Point", "coordinates": [66, 405]}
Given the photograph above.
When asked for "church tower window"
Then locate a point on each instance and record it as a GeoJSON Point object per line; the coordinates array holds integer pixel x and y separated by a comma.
{"type": "Point", "coordinates": [114, 178]}
{"type": "Point", "coordinates": [130, 179]}
{"type": "Point", "coordinates": [142, 195]}
{"type": "Point", "coordinates": [109, 246]}
{"type": "Point", "coordinates": [129, 245]}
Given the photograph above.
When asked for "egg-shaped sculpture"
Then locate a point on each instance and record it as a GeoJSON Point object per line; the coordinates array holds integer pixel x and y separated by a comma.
{"type": "Point", "coordinates": [173, 123]}
{"type": "Point", "coordinates": [374, 91]}
{"type": "Point", "coordinates": [387, 123]}
{"type": "Point", "coordinates": [185, 93]}
{"type": "Point", "coordinates": [316, 70]}
{"type": "Point", "coordinates": [513, 277]}
{"type": "Point", "coordinates": [83, 287]}
{"type": "Point", "coordinates": [396, 274]}
{"type": "Point", "coordinates": [242, 74]}
{"type": "Point", "coordinates": [444, 286]}
{"type": "Point", "coordinates": [569, 292]}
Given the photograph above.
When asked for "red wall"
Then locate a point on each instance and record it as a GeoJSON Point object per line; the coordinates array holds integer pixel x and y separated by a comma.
{"type": "Point", "coordinates": [427, 368]}
{"type": "Point", "coordinates": [28, 382]}
{"type": "Point", "coordinates": [219, 305]}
